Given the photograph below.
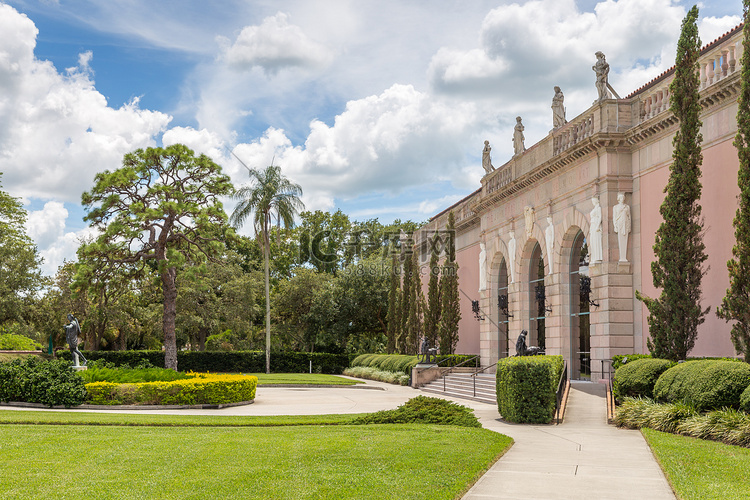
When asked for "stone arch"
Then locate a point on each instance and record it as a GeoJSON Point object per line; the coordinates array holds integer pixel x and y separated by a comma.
{"type": "Point", "coordinates": [576, 223]}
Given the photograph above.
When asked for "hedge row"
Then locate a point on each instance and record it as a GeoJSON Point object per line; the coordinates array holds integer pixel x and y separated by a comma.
{"type": "Point", "coordinates": [232, 361]}
{"type": "Point", "coordinates": [637, 378]}
{"type": "Point", "coordinates": [404, 363]}
{"type": "Point", "coordinates": [705, 384]}
{"type": "Point", "coordinates": [202, 389]}
{"type": "Point", "coordinates": [34, 380]}
{"type": "Point", "coordinates": [526, 388]}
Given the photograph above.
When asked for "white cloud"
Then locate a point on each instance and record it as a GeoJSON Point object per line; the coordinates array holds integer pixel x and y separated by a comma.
{"type": "Point", "coordinates": [275, 45]}
{"type": "Point", "coordinates": [383, 143]}
{"type": "Point", "coordinates": [47, 228]}
{"type": "Point", "coordinates": [56, 131]}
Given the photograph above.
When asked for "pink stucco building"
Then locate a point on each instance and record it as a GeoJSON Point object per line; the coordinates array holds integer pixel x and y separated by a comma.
{"type": "Point", "coordinates": [616, 147]}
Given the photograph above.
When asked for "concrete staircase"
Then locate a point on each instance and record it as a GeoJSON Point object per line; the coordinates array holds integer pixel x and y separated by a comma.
{"type": "Point", "coordinates": [461, 385]}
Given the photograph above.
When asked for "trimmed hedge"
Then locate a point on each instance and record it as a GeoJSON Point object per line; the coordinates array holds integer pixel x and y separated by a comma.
{"type": "Point", "coordinates": [202, 389]}
{"type": "Point", "coordinates": [34, 380]}
{"type": "Point", "coordinates": [231, 361]}
{"type": "Point", "coordinates": [637, 378]}
{"type": "Point", "coordinates": [387, 362]}
{"type": "Point", "coordinates": [526, 388]}
{"type": "Point", "coordinates": [619, 360]}
{"type": "Point", "coordinates": [404, 363]}
{"type": "Point", "coordinates": [706, 384]}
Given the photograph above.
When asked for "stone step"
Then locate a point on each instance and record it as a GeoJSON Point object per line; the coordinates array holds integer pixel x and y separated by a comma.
{"type": "Point", "coordinates": [464, 386]}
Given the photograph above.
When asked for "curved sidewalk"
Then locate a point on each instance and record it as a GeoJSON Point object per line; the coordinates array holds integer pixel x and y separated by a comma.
{"type": "Point", "coordinates": [584, 457]}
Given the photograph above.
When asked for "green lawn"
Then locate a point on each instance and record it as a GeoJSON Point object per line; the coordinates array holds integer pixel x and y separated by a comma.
{"type": "Point", "coordinates": [699, 469]}
{"type": "Point", "coordinates": [409, 461]}
{"type": "Point", "coordinates": [302, 379]}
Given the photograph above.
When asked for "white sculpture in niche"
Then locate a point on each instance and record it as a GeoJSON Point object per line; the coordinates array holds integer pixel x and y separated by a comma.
{"type": "Point", "coordinates": [623, 224]}
{"type": "Point", "coordinates": [595, 231]}
{"type": "Point", "coordinates": [486, 160]}
{"type": "Point", "coordinates": [512, 256]}
{"type": "Point", "coordinates": [528, 214]}
{"type": "Point", "coordinates": [549, 236]}
{"type": "Point", "coordinates": [518, 138]}
{"type": "Point", "coordinates": [482, 267]}
{"type": "Point", "coordinates": [558, 109]}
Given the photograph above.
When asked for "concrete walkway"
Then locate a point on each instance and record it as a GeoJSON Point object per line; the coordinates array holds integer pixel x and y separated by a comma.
{"type": "Point", "coordinates": [584, 457]}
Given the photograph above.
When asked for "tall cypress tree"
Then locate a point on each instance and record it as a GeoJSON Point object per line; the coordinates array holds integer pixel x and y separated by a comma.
{"type": "Point", "coordinates": [393, 318]}
{"type": "Point", "coordinates": [406, 297]}
{"type": "Point", "coordinates": [450, 313]}
{"type": "Point", "coordinates": [432, 309]}
{"type": "Point", "coordinates": [736, 303]}
{"type": "Point", "coordinates": [413, 322]}
{"type": "Point", "coordinates": [680, 252]}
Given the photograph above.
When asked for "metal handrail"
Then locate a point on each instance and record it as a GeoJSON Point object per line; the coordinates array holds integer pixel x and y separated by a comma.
{"type": "Point", "coordinates": [451, 368]}
{"type": "Point", "coordinates": [561, 384]}
{"type": "Point", "coordinates": [477, 372]}
{"type": "Point", "coordinates": [448, 359]}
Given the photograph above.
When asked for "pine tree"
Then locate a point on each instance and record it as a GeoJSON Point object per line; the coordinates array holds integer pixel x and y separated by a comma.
{"type": "Point", "coordinates": [680, 252]}
{"type": "Point", "coordinates": [393, 319]}
{"type": "Point", "coordinates": [450, 313]}
{"type": "Point", "coordinates": [736, 304]}
{"type": "Point", "coordinates": [432, 308]}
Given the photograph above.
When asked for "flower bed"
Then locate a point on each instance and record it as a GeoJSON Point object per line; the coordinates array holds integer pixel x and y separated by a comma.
{"type": "Point", "coordinates": [202, 388]}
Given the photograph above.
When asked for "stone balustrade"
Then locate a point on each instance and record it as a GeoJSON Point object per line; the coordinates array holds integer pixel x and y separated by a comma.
{"type": "Point", "coordinates": [720, 62]}
{"type": "Point", "coordinates": [715, 64]}
{"type": "Point", "coordinates": [573, 132]}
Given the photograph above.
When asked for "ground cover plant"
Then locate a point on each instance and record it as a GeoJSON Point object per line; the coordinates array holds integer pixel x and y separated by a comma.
{"type": "Point", "coordinates": [698, 469]}
{"type": "Point", "coordinates": [222, 460]}
{"type": "Point", "coordinates": [727, 425]}
{"type": "Point", "coordinates": [372, 373]}
{"type": "Point", "coordinates": [424, 409]}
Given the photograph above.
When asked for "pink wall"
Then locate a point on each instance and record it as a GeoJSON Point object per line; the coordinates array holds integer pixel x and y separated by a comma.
{"type": "Point", "coordinates": [468, 281]}
{"type": "Point", "coordinates": [719, 203]}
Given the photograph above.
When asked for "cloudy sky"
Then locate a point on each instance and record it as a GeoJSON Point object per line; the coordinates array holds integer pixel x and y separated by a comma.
{"type": "Point", "coordinates": [377, 107]}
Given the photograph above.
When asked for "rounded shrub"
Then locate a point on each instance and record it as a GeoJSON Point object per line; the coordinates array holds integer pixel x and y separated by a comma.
{"type": "Point", "coordinates": [34, 380]}
{"type": "Point", "coordinates": [706, 384]}
{"type": "Point", "coordinates": [637, 378]}
{"type": "Point", "coordinates": [745, 400]}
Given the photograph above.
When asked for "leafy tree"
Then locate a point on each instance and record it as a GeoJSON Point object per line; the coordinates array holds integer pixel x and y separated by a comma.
{"type": "Point", "coordinates": [304, 308]}
{"type": "Point", "coordinates": [432, 309]}
{"type": "Point", "coordinates": [736, 303]}
{"type": "Point", "coordinates": [20, 276]}
{"type": "Point", "coordinates": [450, 310]}
{"type": "Point", "coordinates": [162, 207]}
{"type": "Point", "coordinates": [680, 252]}
{"type": "Point", "coordinates": [361, 292]}
{"type": "Point", "coordinates": [324, 239]}
{"type": "Point", "coordinates": [270, 196]}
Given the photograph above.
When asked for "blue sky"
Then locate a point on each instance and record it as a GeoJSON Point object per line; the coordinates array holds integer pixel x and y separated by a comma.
{"type": "Point", "coordinates": [377, 107]}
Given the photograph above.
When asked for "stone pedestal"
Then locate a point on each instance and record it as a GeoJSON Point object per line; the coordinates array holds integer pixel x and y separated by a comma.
{"type": "Point", "coordinates": [424, 373]}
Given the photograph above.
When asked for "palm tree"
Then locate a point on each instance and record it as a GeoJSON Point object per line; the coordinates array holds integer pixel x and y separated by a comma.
{"type": "Point", "coordinates": [270, 196]}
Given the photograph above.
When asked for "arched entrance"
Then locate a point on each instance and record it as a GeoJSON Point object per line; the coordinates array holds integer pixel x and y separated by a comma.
{"type": "Point", "coordinates": [537, 299]}
{"type": "Point", "coordinates": [503, 313]}
{"type": "Point", "coordinates": [580, 324]}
